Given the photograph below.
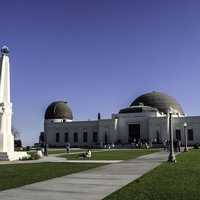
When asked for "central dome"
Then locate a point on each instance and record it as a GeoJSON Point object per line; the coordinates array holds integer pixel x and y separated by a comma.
{"type": "Point", "coordinates": [161, 101]}
{"type": "Point", "coordinates": [58, 110]}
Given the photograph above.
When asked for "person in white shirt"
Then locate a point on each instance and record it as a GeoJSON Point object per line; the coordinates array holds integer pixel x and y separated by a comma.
{"type": "Point", "coordinates": [89, 154]}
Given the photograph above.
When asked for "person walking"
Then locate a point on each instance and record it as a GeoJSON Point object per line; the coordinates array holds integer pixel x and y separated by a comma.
{"type": "Point", "coordinates": [165, 145]}
{"type": "Point", "coordinates": [46, 149]}
{"type": "Point", "coordinates": [67, 147]}
{"type": "Point", "coordinates": [179, 145]}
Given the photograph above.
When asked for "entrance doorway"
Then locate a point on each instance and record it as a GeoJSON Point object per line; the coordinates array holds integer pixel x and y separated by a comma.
{"type": "Point", "coordinates": [134, 132]}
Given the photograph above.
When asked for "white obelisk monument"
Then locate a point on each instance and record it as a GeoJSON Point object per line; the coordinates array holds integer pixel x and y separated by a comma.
{"type": "Point", "coordinates": [6, 136]}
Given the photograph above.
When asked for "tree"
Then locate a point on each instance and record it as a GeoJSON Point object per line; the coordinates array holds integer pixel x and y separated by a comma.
{"type": "Point", "coordinates": [15, 133]}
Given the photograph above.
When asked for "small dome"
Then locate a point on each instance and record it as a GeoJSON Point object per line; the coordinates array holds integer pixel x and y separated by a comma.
{"type": "Point", "coordinates": [161, 101]}
{"type": "Point", "coordinates": [58, 110]}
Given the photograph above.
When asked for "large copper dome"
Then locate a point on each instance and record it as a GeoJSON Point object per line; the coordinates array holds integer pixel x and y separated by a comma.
{"type": "Point", "coordinates": [159, 100]}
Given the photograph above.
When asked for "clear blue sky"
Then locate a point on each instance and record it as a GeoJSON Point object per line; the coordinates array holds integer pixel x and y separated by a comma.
{"type": "Point", "coordinates": [98, 55]}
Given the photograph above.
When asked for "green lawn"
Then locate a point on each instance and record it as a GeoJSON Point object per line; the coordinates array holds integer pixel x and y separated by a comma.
{"type": "Point", "coordinates": [113, 154]}
{"type": "Point", "coordinates": [180, 181]}
{"type": "Point", "coordinates": [15, 175]}
{"type": "Point", "coordinates": [58, 151]}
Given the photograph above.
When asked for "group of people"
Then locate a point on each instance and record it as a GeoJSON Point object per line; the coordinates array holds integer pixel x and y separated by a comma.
{"type": "Point", "coordinates": [140, 143]}
{"type": "Point", "coordinates": [109, 146]}
{"type": "Point", "coordinates": [143, 143]}
{"type": "Point", "coordinates": [176, 144]}
{"type": "Point", "coordinates": [87, 154]}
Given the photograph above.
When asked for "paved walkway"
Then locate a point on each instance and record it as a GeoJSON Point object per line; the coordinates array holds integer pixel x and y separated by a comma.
{"type": "Point", "coordinates": [93, 184]}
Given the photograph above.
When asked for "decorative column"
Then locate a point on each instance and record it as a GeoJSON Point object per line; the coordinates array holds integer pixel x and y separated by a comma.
{"type": "Point", "coordinates": [6, 136]}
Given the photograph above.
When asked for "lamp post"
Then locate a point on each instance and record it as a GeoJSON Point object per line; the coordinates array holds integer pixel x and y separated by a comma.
{"type": "Point", "coordinates": [185, 133]}
{"type": "Point", "coordinates": [171, 157]}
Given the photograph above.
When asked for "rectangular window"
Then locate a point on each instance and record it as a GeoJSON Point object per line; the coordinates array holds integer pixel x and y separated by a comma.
{"type": "Point", "coordinates": [95, 137]}
{"type": "Point", "coordinates": [75, 137]}
{"type": "Point", "coordinates": [190, 134]}
{"type": "Point", "coordinates": [85, 137]}
{"type": "Point", "coordinates": [66, 137]}
{"type": "Point", "coordinates": [57, 137]}
{"type": "Point", "coordinates": [178, 134]}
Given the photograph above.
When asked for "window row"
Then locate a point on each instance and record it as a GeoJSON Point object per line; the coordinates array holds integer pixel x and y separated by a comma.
{"type": "Point", "coordinates": [76, 138]}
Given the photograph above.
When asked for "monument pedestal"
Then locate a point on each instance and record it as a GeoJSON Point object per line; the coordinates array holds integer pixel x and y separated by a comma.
{"type": "Point", "coordinates": [20, 154]}
{"type": "Point", "coordinates": [17, 155]}
{"type": "Point", "coordinates": [5, 156]}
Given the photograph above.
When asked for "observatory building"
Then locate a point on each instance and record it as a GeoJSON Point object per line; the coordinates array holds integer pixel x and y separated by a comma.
{"type": "Point", "coordinates": [146, 118]}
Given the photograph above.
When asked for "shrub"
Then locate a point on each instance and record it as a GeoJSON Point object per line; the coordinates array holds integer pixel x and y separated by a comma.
{"type": "Point", "coordinates": [196, 146]}
{"type": "Point", "coordinates": [33, 156]}
{"type": "Point", "coordinates": [28, 148]}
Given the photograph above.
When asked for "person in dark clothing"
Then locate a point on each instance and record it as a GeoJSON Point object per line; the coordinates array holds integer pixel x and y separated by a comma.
{"type": "Point", "coordinates": [67, 147]}
{"type": "Point", "coordinates": [179, 145]}
{"type": "Point", "coordinates": [45, 149]}
{"type": "Point", "coordinates": [176, 145]}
